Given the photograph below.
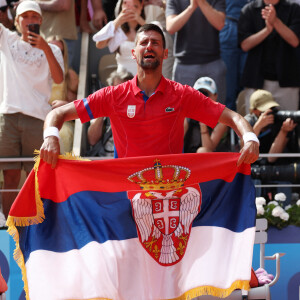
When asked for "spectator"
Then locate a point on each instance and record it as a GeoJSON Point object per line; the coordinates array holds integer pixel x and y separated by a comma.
{"type": "Point", "coordinates": [274, 137]}
{"type": "Point", "coordinates": [198, 137]}
{"type": "Point", "coordinates": [59, 19]}
{"type": "Point", "coordinates": [99, 132]}
{"type": "Point", "coordinates": [155, 13]}
{"type": "Point", "coordinates": [28, 66]}
{"type": "Point", "coordinates": [119, 34]}
{"type": "Point", "coordinates": [233, 56]}
{"type": "Point", "coordinates": [196, 24]}
{"type": "Point", "coordinates": [269, 31]}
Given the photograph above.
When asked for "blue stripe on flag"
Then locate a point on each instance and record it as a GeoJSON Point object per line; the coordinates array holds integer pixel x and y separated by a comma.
{"type": "Point", "coordinates": [97, 216]}
{"type": "Point", "coordinates": [88, 109]}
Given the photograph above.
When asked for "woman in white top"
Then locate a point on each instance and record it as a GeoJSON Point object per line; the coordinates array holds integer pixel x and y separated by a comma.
{"type": "Point", "coordinates": [119, 34]}
{"type": "Point", "coordinates": [29, 65]}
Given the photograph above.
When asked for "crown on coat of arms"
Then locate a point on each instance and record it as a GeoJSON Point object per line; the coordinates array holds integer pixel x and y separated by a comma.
{"type": "Point", "coordinates": [161, 177]}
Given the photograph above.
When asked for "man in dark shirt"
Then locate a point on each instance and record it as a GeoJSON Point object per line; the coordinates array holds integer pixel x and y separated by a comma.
{"type": "Point", "coordinates": [269, 30]}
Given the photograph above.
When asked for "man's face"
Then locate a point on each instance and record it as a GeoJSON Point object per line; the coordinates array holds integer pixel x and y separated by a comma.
{"type": "Point", "coordinates": [28, 17]}
{"type": "Point", "coordinates": [149, 52]}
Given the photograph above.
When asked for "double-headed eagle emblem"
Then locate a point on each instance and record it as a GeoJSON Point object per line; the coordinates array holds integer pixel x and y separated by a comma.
{"type": "Point", "coordinates": [164, 210]}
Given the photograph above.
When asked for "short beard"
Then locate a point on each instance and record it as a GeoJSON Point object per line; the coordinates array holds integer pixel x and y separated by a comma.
{"type": "Point", "coordinates": [150, 65]}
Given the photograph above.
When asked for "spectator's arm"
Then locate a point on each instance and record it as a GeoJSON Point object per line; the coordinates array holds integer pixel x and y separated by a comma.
{"type": "Point", "coordinates": [281, 139]}
{"type": "Point", "coordinates": [216, 135]}
{"type": "Point", "coordinates": [206, 140]}
{"type": "Point", "coordinates": [83, 19]}
{"type": "Point", "coordinates": [99, 17]}
{"type": "Point", "coordinates": [95, 130]}
{"type": "Point", "coordinates": [56, 71]}
{"type": "Point", "coordinates": [55, 5]}
{"type": "Point", "coordinates": [255, 39]}
{"type": "Point", "coordinates": [214, 17]}
{"type": "Point", "coordinates": [175, 22]}
{"type": "Point", "coordinates": [269, 14]}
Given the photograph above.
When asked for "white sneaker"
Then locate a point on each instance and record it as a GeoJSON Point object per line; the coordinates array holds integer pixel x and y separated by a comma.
{"type": "Point", "coordinates": [2, 220]}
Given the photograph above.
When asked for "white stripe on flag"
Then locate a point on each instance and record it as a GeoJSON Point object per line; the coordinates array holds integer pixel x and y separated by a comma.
{"type": "Point", "coordinates": [123, 270]}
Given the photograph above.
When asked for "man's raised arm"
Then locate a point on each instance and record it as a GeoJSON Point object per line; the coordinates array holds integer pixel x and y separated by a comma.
{"type": "Point", "coordinates": [53, 123]}
{"type": "Point", "coordinates": [250, 149]}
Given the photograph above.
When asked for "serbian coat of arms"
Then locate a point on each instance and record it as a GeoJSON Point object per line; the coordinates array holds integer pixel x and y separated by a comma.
{"type": "Point", "coordinates": [164, 210]}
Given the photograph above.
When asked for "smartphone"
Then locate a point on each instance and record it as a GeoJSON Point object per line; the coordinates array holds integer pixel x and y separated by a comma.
{"type": "Point", "coordinates": [34, 28]}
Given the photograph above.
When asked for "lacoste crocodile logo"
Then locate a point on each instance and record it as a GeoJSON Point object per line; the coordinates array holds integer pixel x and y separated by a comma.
{"type": "Point", "coordinates": [170, 109]}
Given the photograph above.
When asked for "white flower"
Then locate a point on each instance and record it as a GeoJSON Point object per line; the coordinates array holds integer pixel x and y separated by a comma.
{"type": "Point", "coordinates": [298, 202]}
{"type": "Point", "coordinates": [2, 219]}
{"type": "Point", "coordinates": [284, 216]}
{"type": "Point", "coordinates": [273, 202]}
{"type": "Point", "coordinates": [277, 211]}
{"type": "Point", "coordinates": [260, 201]}
{"type": "Point", "coordinates": [260, 210]}
{"type": "Point", "coordinates": [280, 197]}
{"type": "Point", "coordinates": [287, 207]}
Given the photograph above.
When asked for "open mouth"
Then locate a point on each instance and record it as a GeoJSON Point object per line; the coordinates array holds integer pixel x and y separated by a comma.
{"type": "Point", "coordinates": [149, 56]}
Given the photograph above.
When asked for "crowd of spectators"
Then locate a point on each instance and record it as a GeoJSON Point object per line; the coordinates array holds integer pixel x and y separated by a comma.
{"type": "Point", "coordinates": [224, 48]}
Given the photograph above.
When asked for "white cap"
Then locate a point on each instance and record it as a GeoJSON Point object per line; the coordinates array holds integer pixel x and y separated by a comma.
{"type": "Point", "coordinates": [206, 83]}
{"type": "Point", "coordinates": [28, 5]}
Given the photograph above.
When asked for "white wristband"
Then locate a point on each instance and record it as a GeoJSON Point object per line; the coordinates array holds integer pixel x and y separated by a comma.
{"type": "Point", "coordinates": [250, 136]}
{"type": "Point", "coordinates": [51, 131]}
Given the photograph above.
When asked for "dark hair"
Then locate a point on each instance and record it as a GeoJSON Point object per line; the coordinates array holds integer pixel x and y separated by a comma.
{"type": "Point", "coordinates": [125, 26]}
{"type": "Point", "coordinates": [151, 27]}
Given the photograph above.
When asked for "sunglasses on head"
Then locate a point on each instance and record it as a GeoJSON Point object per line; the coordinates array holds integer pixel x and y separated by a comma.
{"type": "Point", "coordinates": [204, 92]}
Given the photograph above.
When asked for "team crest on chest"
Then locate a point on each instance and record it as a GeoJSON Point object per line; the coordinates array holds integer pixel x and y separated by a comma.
{"type": "Point", "coordinates": [164, 210]}
{"type": "Point", "coordinates": [131, 109]}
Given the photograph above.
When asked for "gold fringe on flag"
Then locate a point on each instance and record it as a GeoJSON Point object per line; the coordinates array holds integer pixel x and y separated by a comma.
{"type": "Point", "coordinates": [214, 291]}
{"type": "Point", "coordinates": [12, 221]}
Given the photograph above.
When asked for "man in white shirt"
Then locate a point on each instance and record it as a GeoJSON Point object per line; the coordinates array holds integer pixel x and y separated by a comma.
{"type": "Point", "coordinates": [28, 66]}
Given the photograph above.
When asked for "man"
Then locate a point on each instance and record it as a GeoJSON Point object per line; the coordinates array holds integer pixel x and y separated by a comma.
{"type": "Point", "coordinates": [196, 25]}
{"type": "Point", "coordinates": [147, 112]}
{"type": "Point", "coordinates": [233, 56]}
{"type": "Point", "coordinates": [29, 65]}
{"type": "Point", "coordinates": [198, 137]}
{"type": "Point", "coordinates": [273, 136]}
{"type": "Point", "coordinates": [269, 30]}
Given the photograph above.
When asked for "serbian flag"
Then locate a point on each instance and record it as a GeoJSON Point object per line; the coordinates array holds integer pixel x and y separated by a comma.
{"type": "Point", "coordinates": [145, 228]}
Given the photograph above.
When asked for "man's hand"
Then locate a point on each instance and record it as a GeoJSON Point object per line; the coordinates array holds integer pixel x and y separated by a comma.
{"type": "Point", "coordinates": [99, 19]}
{"type": "Point", "coordinates": [50, 150]}
{"type": "Point", "coordinates": [288, 125]}
{"type": "Point", "coordinates": [249, 153]}
{"type": "Point", "coordinates": [265, 119]}
{"type": "Point", "coordinates": [36, 40]}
